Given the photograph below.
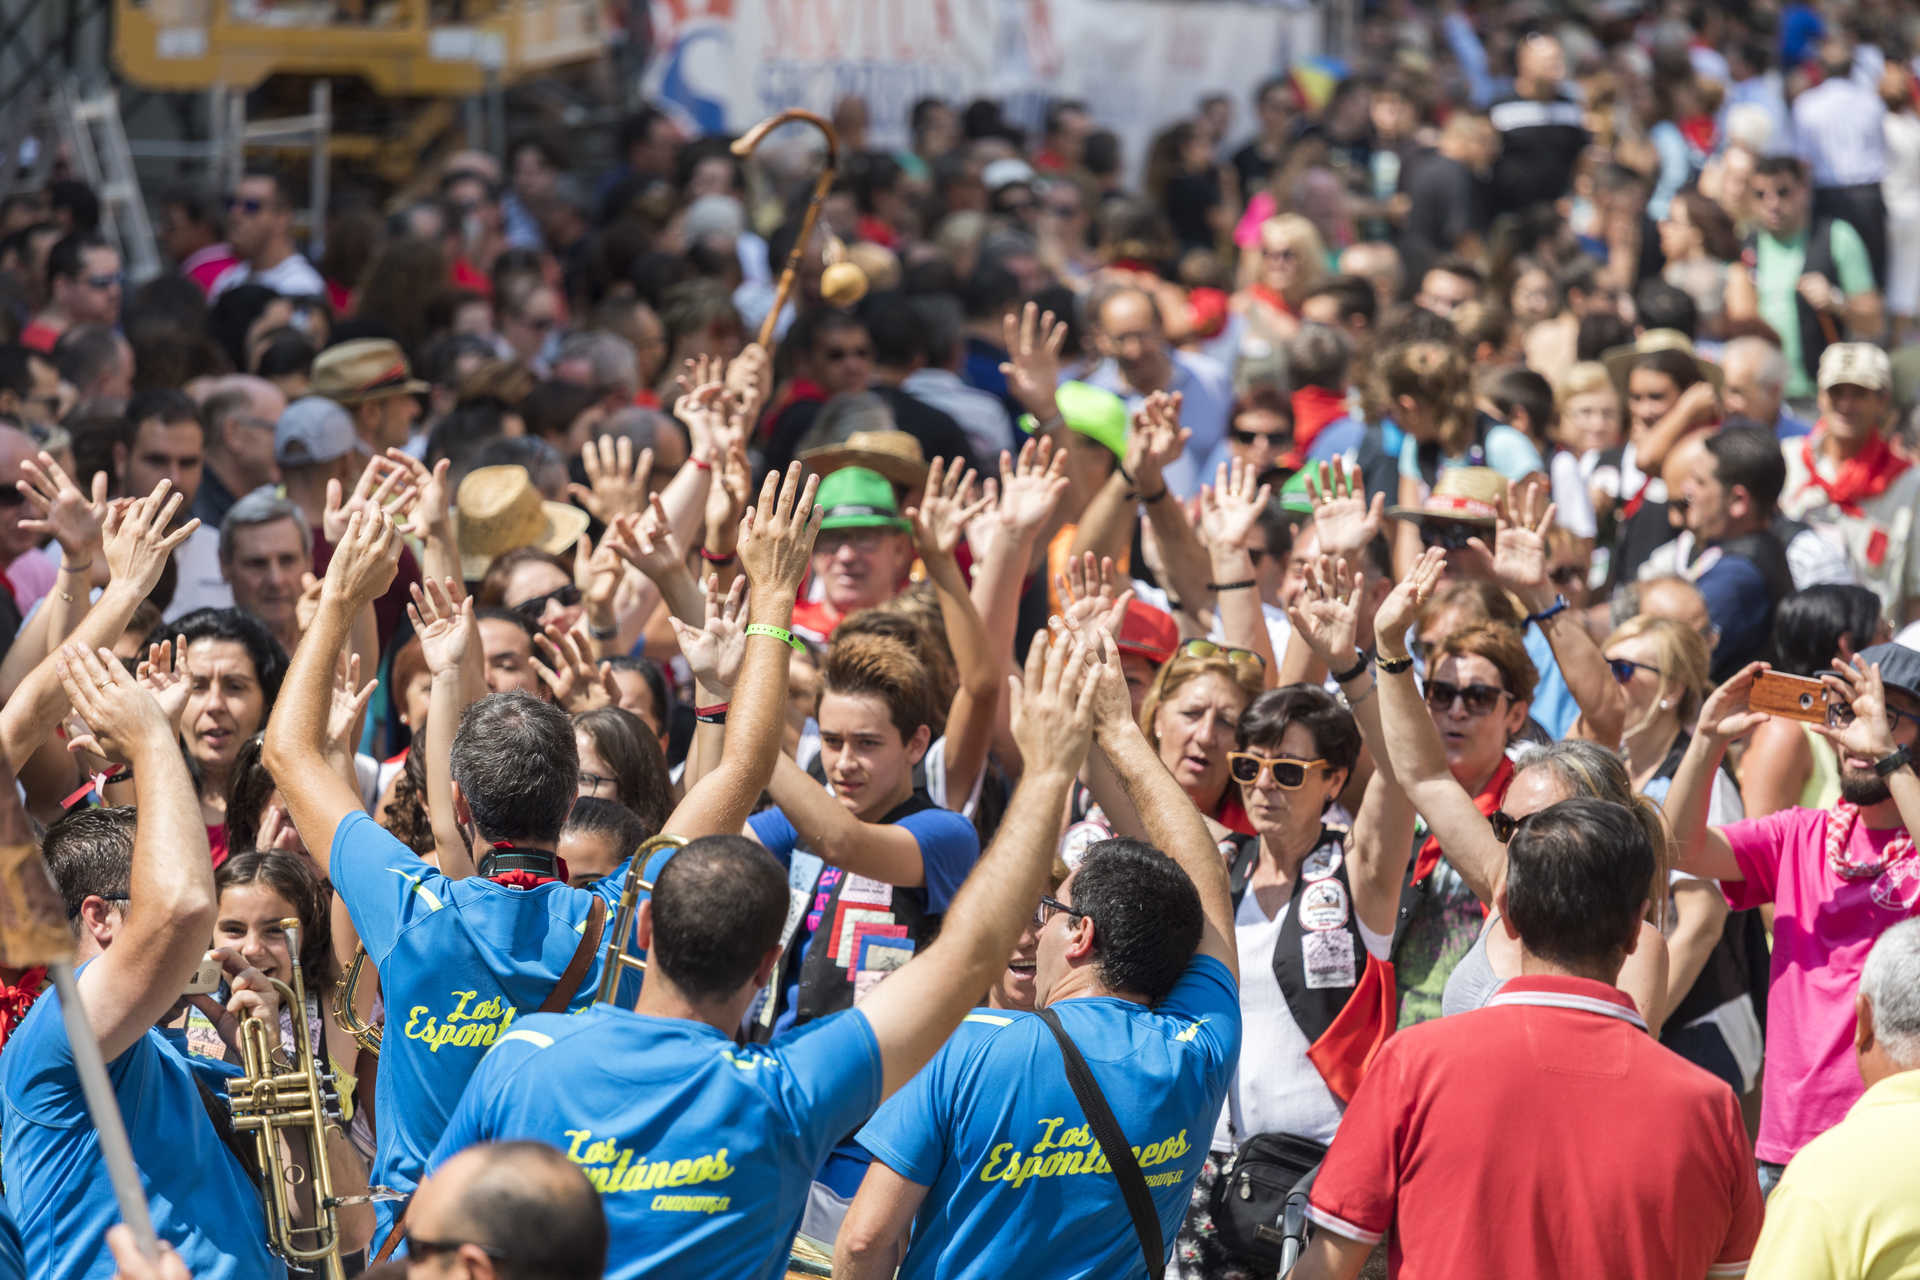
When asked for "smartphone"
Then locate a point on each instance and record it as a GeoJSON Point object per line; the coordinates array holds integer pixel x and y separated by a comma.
{"type": "Point", "coordinates": [1792, 697]}
{"type": "Point", "coordinates": [206, 978]}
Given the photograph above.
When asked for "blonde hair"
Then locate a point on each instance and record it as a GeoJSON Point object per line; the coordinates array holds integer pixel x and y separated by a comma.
{"type": "Point", "coordinates": [1584, 379]}
{"type": "Point", "coordinates": [1589, 770]}
{"type": "Point", "coordinates": [1684, 661]}
{"type": "Point", "coordinates": [1182, 668]}
{"type": "Point", "coordinates": [1300, 235]}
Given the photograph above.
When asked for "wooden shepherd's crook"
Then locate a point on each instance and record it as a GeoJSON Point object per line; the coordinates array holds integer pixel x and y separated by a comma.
{"type": "Point", "coordinates": [744, 146]}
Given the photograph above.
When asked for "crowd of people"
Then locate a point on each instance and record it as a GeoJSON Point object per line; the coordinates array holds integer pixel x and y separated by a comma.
{"type": "Point", "coordinates": [1381, 659]}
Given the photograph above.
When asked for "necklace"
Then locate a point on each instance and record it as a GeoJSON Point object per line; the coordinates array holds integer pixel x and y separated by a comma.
{"type": "Point", "coordinates": [1840, 822]}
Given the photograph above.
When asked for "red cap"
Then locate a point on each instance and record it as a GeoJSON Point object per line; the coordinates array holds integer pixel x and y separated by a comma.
{"type": "Point", "coordinates": [1149, 632]}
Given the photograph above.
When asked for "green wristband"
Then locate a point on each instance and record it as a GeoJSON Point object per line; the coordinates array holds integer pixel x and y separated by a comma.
{"type": "Point", "coordinates": [781, 634]}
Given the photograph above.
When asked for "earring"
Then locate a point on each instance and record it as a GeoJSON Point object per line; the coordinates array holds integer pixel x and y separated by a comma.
{"type": "Point", "coordinates": [1666, 703]}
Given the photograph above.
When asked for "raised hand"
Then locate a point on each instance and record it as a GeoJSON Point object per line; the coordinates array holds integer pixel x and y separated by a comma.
{"type": "Point", "coordinates": [1031, 487]}
{"type": "Point", "coordinates": [365, 559]}
{"type": "Point", "coordinates": [1868, 732]}
{"type": "Point", "coordinates": [1092, 597]}
{"type": "Point", "coordinates": [749, 382]}
{"type": "Point", "coordinates": [1327, 613]}
{"type": "Point", "coordinates": [1519, 554]}
{"type": "Point", "coordinates": [443, 619]}
{"type": "Point", "coordinates": [1727, 713]}
{"type": "Point", "coordinates": [703, 406]}
{"type": "Point", "coordinates": [1155, 441]}
{"type": "Point", "coordinates": [617, 481]}
{"type": "Point", "coordinates": [1033, 370]}
{"type": "Point", "coordinates": [727, 497]}
{"type": "Point", "coordinates": [776, 536]}
{"type": "Point", "coordinates": [382, 485]}
{"type": "Point", "coordinates": [1231, 506]}
{"type": "Point", "coordinates": [946, 507]}
{"type": "Point", "coordinates": [1394, 618]}
{"type": "Point", "coordinates": [432, 505]}
{"type": "Point", "coordinates": [307, 607]}
{"type": "Point", "coordinates": [59, 508]}
{"type": "Point", "coordinates": [1053, 702]}
{"type": "Point", "coordinates": [716, 648]}
{"type": "Point", "coordinates": [569, 670]}
{"type": "Point", "coordinates": [348, 706]}
{"type": "Point", "coordinates": [1112, 700]}
{"type": "Point", "coordinates": [137, 542]}
{"type": "Point", "coordinates": [647, 542]}
{"type": "Point", "coordinates": [122, 717]}
{"type": "Point", "coordinates": [1342, 517]}
{"type": "Point", "coordinates": [163, 674]}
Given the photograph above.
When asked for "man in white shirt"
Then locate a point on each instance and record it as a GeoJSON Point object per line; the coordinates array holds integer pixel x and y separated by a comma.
{"type": "Point", "coordinates": [260, 229]}
{"type": "Point", "coordinates": [1838, 128]}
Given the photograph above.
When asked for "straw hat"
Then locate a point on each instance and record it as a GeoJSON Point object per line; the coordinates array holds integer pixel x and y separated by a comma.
{"type": "Point", "coordinates": [1467, 495]}
{"type": "Point", "coordinates": [894, 454]}
{"type": "Point", "coordinates": [1619, 360]}
{"type": "Point", "coordinates": [499, 510]}
{"type": "Point", "coordinates": [363, 369]}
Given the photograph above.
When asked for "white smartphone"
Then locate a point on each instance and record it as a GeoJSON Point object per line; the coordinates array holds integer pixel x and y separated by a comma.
{"type": "Point", "coordinates": [206, 978]}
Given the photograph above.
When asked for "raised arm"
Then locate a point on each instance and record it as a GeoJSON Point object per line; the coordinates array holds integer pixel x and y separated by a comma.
{"type": "Point", "coordinates": [945, 509]}
{"type": "Point", "coordinates": [1229, 515]}
{"type": "Point", "coordinates": [914, 1011]}
{"type": "Point", "coordinates": [1519, 560]}
{"type": "Point", "coordinates": [714, 649]}
{"type": "Point", "coordinates": [1724, 717]}
{"type": "Point", "coordinates": [1156, 441]}
{"type": "Point", "coordinates": [1414, 752]}
{"type": "Point", "coordinates": [171, 904]}
{"type": "Point", "coordinates": [75, 521]}
{"type": "Point", "coordinates": [442, 617]}
{"type": "Point", "coordinates": [776, 537]}
{"type": "Point", "coordinates": [1172, 823]}
{"type": "Point", "coordinates": [1869, 734]}
{"type": "Point", "coordinates": [362, 569]}
{"type": "Point", "coordinates": [431, 516]}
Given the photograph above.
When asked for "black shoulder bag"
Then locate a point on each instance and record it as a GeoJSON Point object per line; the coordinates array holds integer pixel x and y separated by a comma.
{"type": "Point", "coordinates": [1106, 1131]}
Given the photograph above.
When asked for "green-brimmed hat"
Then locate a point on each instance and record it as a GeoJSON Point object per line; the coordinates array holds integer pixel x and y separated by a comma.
{"type": "Point", "coordinates": [1101, 416]}
{"type": "Point", "coordinates": [856, 498]}
{"type": "Point", "coordinates": [1293, 496]}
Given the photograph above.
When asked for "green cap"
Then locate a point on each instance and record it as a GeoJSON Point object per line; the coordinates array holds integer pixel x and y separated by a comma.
{"type": "Point", "coordinates": [1101, 416]}
{"type": "Point", "coordinates": [856, 498]}
{"type": "Point", "coordinates": [1293, 494]}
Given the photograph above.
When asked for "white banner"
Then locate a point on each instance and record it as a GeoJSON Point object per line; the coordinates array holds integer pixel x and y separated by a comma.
{"type": "Point", "coordinates": [1139, 64]}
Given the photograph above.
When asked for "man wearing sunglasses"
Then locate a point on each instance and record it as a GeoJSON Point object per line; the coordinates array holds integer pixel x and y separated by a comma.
{"type": "Point", "coordinates": [260, 229]}
{"type": "Point", "coordinates": [1836, 879]}
{"type": "Point", "coordinates": [84, 284]}
{"type": "Point", "coordinates": [507, 1211]}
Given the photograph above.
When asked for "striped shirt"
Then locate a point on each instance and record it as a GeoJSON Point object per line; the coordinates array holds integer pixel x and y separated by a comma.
{"type": "Point", "coordinates": [1838, 129]}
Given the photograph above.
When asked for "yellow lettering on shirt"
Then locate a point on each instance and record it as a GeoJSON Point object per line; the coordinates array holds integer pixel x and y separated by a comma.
{"type": "Point", "coordinates": [613, 1168]}
{"type": "Point", "coordinates": [1062, 1152]}
{"type": "Point", "coordinates": [469, 1023]}
{"type": "Point", "coordinates": [1191, 1031]}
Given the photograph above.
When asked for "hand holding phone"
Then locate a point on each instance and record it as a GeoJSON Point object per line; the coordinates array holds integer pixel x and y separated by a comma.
{"type": "Point", "coordinates": [1790, 697]}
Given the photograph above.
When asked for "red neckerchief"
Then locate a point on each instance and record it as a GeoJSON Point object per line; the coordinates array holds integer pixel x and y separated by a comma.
{"type": "Point", "coordinates": [1313, 409]}
{"type": "Point", "coordinates": [17, 997]}
{"type": "Point", "coordinates": [1233, 813]}
{"type": "Point", "coordinates": [793, 393]}
{"type": "Point", "coordinates": [1486, 802]}
{"type": "Point", "coordinates": [1865, 475]}
{"type": "Point", "coordinates": [1272, 297]}
{"type": "Point", "coordinates": [529, 879]}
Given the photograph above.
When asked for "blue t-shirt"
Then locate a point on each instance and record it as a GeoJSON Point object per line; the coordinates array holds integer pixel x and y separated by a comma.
{"type": "Point", "coordinates": [1741, 606]}
{"type": "Point", "coordinates": [702, 1152]}
{"type": "Point", "coordinates": [13, 1257]}
{"type": "Point", "coordinates": [991, 1127]}
{"type": "Point", "coordinates": [949, 846]}
{"type": "Point", "coordinates": [57, 1187]}
{"type": "Point", "coordinates": [459, 961]}
{"type": "Point", "coordinates": [1553, 707]}
{"type": "Point", "coordinates": [1507, 450]}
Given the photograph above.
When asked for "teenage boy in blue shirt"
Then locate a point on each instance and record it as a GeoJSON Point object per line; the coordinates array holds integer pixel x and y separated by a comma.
{"type": "Point", "coordinates": [703, 1150]}
{"type": "Point", "coordinates": [462, 956]}
{"type": "Point", "coordinates": [987, 1153]}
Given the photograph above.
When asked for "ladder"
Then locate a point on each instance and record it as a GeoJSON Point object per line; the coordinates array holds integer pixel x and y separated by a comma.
{"type": "Point", "coordinates": [105, 163]}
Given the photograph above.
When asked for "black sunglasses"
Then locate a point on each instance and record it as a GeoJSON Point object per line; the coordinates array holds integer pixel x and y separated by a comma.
{"type": "Point", "coordinates": [111, 280]}
{"type": "Point", "coordinates": [1450, 535]}
{"type": "Point", "coordinates": [1565, 575]}
{"type": "Point", "coordinates": [1504, 824]}
{"type": "Point", "coordinates": [1623, 669]}
{"type": "Point", "coordinates": [1478, 699]}
{"type": "Point", "coordinates": [421, 1250]}
{"type": "Point", "coordinates": [248, 206]}
{"type": "Point", "coordinates": [1239, 436]}
{"type": "Point", "coordinates": [566, 597]}
{"type": "Point", "coordinates": [1045, 911]}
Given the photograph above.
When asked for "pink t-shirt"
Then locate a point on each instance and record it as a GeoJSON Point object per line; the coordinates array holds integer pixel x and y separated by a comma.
{"type": "Point", "coordinates": [1823, 927]}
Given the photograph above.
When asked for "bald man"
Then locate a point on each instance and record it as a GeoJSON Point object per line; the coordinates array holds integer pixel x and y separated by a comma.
{"type": "Point", "coordinates": [507, 1211]}
{"type": "Point", "coordinates": [240, 413]}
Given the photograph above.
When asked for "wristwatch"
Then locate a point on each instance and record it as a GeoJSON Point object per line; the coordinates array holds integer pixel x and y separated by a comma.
{"type": "Point", "coordinates": [1894, 761]}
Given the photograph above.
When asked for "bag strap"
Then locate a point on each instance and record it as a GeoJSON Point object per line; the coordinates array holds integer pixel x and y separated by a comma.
{"type": "Point", "coordinates": [576, 971]}
{"type": "Point", "coordinates": [1106, 1131]}
{"type": "Point", "coordinates": [399, 1232]}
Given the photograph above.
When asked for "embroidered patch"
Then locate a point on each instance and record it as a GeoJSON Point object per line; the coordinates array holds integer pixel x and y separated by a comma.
{"type": "Point", "coordinates": [1323, 906]}
{"type": "Point", "coordinates": [1322, 862]}
{"type": "Point", "coordinates": [1330, 961]}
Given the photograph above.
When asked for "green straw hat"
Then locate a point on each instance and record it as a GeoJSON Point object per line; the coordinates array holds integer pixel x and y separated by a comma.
{"type": "Point", "coordinates": [1101, 416]}
{"type": "Point", "coordinates": [856, 498]}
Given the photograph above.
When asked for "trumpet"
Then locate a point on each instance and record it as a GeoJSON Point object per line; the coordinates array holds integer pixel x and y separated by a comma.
{"type": "Point", "coordinates": [269, 1100]}
{"type": "Point", "coordinates": [365, 1034]}
{"type": "Point", "coordinates": [618, 961]}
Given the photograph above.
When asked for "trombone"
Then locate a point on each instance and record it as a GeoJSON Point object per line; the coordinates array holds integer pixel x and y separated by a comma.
{"type": "Point", "coordinates": [269, 1100]}
{"type": "Point", "coordinates": [618, 961]}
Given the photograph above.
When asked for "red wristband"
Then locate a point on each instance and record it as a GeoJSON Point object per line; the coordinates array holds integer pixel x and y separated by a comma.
{"type": "Point", "coordinates": [701, 463]}
{"type": "Point", "coordinates": [714, 558]}
{"type": "Point", "coordinates": [717, 709]}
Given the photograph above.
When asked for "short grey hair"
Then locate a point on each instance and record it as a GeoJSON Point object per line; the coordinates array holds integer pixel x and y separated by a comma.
{"type": "Point", "coordinates": [262, 506]}
{"type": "Point", "coordinates": [1769, 362]}
{"type": "Point", "coordinates": [642, 426]}
{"type": "Point", "coordinates": [610, 356]}
{"type": "Point", "coordinates": [1890, 980]}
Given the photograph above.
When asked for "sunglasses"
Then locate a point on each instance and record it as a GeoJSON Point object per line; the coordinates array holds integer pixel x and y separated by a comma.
{"type": "Point", "coordinates": [1478, 699]}
{"type": "Point", "coordinates": [1238, 657]}
{"type": "Point", "coordinates": [566, 597]}
{"type": "Point", "coordinates": [1449, 535]}
{"type": "Point", "coordinates": [1289, 773]}
{"type": "Point", "coordinates": [836, 354]}
{"type": "Point", "coordinates": [1566, 575]}
{"type": "Point", "coordinates": [1623, 669]}
{"type": "Point", "coordinates": [249, 205]}
{"type": "Point", "coordinates": [422, 1250]}
{"type": "Point", "coordinates": [11, 497]}
{"type": "Point", "coordinates": [1049, 907]}
{"type": "Point", "coordinates": [112, 280]}
{"type": "Point", "coordinates": [1280, 255]}
{"type": "Point", "coordinates": [1255, 437]}
{"type": "Point", "coordinates": [1504, 824]}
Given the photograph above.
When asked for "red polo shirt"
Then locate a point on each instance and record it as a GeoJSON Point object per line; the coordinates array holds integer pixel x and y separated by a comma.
{"type": "Point", "coordinates": [1544, 1135]}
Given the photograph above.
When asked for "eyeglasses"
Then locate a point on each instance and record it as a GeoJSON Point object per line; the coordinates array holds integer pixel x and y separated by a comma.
{"type": "Point", "coordinates": [1289, 772]}
{"type": "Point", "coordinates": [1048, 906]}
{"type": "Point", "coordinates": [1565, 575]}
{"type": "Point", "coordinates": [1451, 535]}
{"type": "Point", "coordinates": [110, 280]}
{"type": "Point", "coordinates": [1623, 669]}
{"type": "Point", "coordinates": [835, 355]}
{"type": "Point", "coordinates": [249, 205]}
{"type": "Point", "coordinates": [590, 783]}
{"type": "Point", "coordinates": [532, 610]}
{"type": "Point", "coordinates": [1238, 657]}
{"type": "Point", "coordinates": [1285, 254]}
{"type": "Point", "coordinates": [1239, 436]}
{"type": "Point", "coordinates": [1504, 824]}
{"type": "Point", "coordinates": [1840, 715]}
{"type": "Point", "coordinates": [1478, 699]}
{"type": "Point", "coordinates": [421, 1250]}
